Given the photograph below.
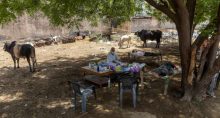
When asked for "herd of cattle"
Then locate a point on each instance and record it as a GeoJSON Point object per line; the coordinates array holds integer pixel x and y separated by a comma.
{"type": "Point", "coordinates": [27, 50]}
{"type": "Point", "coordinates": [57, 39]}
{"type": "Point", "coordinates": [144, 35]}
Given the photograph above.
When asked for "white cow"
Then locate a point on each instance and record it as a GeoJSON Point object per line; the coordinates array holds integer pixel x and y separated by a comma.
{"type": "Point", "coordinates": [124, 38]}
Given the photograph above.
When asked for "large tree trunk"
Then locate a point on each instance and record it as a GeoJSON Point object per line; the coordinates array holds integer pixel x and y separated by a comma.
{"type": "Point", "coordinates": [188, 55]}
{"type": "Point", "coordinates": [184, 32]}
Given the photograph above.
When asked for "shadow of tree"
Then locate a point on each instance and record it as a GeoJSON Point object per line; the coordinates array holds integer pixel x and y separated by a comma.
{"type": "Point", "coordinates": [46, 93]}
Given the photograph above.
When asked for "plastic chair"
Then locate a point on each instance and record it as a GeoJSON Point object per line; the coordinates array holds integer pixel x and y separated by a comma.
{"type": "Point", "coordinates": [83, 90]}
{"type": "Point", "coordinates": [128, 83]}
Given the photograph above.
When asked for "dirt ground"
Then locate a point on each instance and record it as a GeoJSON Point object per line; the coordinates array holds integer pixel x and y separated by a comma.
{"type": "Point", "coordinates": [46, 94]}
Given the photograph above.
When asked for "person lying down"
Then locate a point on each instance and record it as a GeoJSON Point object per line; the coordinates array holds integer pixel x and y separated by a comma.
{"type": "Point", "coordinates": [138, 53]}
{"type": "Point", "coordinates": [166, 69]}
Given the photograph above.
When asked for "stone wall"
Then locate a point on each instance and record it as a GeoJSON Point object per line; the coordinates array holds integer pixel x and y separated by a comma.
{"type": "Point", "coordinates": [139, 23]}
{"type": "Point", "coordinates": [149, 23]}
{"type": "Point", "coordinates": [37, 26]}
{"type": "Point", "coordinates": [26, 26]}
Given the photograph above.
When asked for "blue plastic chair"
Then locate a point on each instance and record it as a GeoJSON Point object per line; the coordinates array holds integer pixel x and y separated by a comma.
{"type": "Point", "coordinates": [128, 83]}
{"type": "Point", "coordinates": [83, 90]}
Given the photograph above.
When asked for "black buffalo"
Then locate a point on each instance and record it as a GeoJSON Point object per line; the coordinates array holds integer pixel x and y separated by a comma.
{"type": "Point", "coordinates": [149, 35]}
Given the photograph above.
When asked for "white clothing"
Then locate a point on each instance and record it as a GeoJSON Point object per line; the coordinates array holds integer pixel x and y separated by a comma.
{"type": "Point", "coordinates": [138, 53]}
{"type": "Point", "coordinates": [113, 58]}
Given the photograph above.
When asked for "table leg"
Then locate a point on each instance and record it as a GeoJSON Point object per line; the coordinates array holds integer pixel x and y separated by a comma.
{"type": "Point", "coordinates": [109, 82]}
{"type": "Point", "coordinates": [142, 78]}
{"type": "Point", "coordinates": [84, 74]}
{"type": "Point", "coordinates": [166, 84]}
{"type": "Point", "coordinates": [94, 91]}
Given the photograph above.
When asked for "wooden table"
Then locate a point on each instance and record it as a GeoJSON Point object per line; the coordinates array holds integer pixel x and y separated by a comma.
{"type": "Point", "coordinates": [99, 79]}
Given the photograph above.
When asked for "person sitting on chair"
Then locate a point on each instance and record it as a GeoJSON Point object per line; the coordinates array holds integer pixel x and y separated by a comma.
{"type": "Point", "coordinates": [112, 58]}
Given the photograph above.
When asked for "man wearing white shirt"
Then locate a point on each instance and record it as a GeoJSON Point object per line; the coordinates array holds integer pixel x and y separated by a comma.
{"type": "Point", "coordinates": [112, 58]}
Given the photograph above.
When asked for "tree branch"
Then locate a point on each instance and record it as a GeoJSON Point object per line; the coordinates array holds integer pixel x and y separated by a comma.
{"type": "Point", "coordinates": [192, 67]}
{"type": "Point", "coordinates": [200, 39]}
{"type": "Point", "coordinates": [179, 3]}
{"type": "Point", "coordinates": [163, 8]}
{"type": "Point", "coordinates": [172, 5]}
{"type": "Point", "coordinates": [164, 3]}
{"type": "Point", "coordinates": [203, 60]}
{"type": "Point", "coordinates": [191, 6]}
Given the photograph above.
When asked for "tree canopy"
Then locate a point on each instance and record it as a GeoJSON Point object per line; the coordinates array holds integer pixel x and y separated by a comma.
{"type": "Point", "coordinates": [69, 12]}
